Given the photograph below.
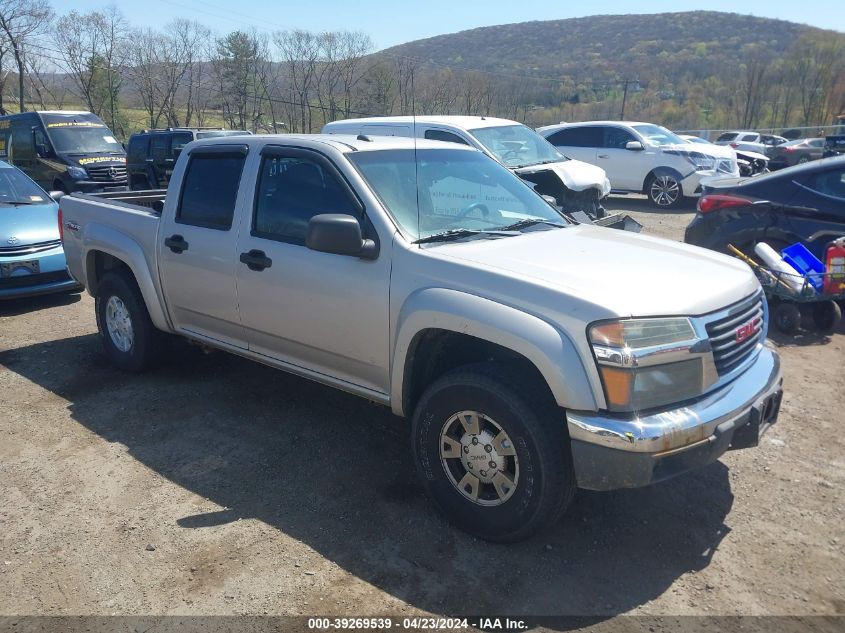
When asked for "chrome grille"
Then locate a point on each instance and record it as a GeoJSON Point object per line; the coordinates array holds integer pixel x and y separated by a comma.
{"type": "Point", "coordinates": [729, 350]}
{"type": "Point", "coordinates": [14, 251]}
{"type": "Point", "coordinates": [107, 173]}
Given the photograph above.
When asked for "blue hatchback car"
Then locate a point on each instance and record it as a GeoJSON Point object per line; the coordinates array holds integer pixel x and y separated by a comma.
{"type": "Point", "coordinates": [32, 261]}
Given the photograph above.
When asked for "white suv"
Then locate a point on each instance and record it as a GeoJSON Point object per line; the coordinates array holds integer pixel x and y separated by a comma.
{"type": "Point", "coordinates": [576, 186]}
{"type": "Point", "coordinates": [643, 157]}
{"type": "Point", "coordinates": [750, 141]}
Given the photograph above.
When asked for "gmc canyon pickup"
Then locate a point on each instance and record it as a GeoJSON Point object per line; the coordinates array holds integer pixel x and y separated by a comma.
{"type": "Point", "coordinates": [533, 354]}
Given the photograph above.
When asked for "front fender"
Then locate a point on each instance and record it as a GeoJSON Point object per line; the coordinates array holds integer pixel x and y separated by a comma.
{"type": "Point", "coordinates": [549, 349]}
{"type": "Point", "coordinates": [102, 238]}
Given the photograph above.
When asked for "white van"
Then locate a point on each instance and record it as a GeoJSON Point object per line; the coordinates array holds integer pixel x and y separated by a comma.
{"type": "Point", "coordinates": [575, 185]}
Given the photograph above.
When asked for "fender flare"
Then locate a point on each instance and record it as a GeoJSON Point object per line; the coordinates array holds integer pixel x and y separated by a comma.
{"type": "Point", "coordinates": [104, 239]}
{"type": "Point", "coordinates": [549, 349]}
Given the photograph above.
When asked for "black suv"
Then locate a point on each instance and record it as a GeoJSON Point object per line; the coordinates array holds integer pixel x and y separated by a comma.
{"type": "Point", "coordinates": [151, 154]}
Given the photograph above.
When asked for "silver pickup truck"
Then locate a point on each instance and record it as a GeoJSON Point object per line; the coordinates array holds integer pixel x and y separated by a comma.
{"type": "Point", "coordinates": [532, 354]}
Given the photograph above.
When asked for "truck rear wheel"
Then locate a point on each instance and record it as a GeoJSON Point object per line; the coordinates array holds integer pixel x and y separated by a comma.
{"type": "Point", "coordinates": [494, 456]}
{"type": "Point", "coordinates": [130, 340]}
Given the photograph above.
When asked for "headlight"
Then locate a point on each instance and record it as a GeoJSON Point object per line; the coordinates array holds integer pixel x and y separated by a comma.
{"type": "Point", "coordinates": [701, 162]}
{"type": "Point", "coordinates": [77, 173]}
{"type": "Point", "coordinates": [646, 363]}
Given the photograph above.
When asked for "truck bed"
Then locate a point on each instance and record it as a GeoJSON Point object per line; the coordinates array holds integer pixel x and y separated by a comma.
{"type": "Point", "coordinates": [151, 199]}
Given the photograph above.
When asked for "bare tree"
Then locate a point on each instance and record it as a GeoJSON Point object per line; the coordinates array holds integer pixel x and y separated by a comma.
{"type": "Point", "coordinates": [300, 51]}
{"type": "Point", "coordinates": [19, 21]}
{"type": "Point", "coordinates": [92, 47]}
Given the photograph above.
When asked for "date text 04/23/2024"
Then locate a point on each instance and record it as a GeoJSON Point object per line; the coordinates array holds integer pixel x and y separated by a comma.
{"type": "Point", "coordinates": [417, 623]}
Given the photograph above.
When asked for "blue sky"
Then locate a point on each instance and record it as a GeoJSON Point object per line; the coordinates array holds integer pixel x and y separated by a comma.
{"type": "Point", "coordinates": [398, 21]}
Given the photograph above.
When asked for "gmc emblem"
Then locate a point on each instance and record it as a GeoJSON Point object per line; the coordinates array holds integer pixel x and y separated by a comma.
{"type": "Point", "coordinates": [747, 330]}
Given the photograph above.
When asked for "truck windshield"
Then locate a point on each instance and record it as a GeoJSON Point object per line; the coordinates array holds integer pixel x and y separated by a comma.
{"type": "Point", "coordinates": [517, 145]}
{"type": "Point", "coordinates": [459, 190]}
{"type": "Point", "coordinates": [16, 188]}
{"type": "Point", "coordinates": [89, 138]}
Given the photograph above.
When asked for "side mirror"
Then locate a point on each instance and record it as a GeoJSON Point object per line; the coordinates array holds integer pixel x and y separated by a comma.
{"type": "Point", "coordinates": [340, 234]}
{"type": "Point", "coordinates": [634, 146]}
{"type": "Point", "coordinates": [55, 195]}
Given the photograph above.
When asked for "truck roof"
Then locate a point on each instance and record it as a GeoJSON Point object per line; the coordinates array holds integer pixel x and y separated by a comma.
{"type": "Point", "coordinates": [342, 142]}
{"type": "Point", "coordinates": [462, 122]}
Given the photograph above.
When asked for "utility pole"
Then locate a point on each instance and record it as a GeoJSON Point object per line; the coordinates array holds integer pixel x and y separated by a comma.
{"type": "Point", "coordinates": [624, 99]}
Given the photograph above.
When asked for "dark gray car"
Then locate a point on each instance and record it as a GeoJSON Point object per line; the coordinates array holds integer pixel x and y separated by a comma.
{"type": "Point", "coordinates": [796, 152]}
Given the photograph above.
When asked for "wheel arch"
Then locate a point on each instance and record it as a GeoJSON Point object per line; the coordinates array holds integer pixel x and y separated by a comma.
{"type": "Point", "coordinates": [108, 250]}
{"type": "Point", "coordinates": [662, 170]}
{"type": "Point", "coordinates": [441, 329]}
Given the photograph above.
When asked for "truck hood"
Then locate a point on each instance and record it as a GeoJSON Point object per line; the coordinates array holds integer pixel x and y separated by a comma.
{"type": "Point", "coordinates": [625, 273]}
{"type": "Point", "coordinates": [575, 175]}
{"type": "Point", "coordinates": [28, 224]}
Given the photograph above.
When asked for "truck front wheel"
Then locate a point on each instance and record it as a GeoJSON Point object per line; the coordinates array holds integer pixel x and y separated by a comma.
{"type": "Point", "coordinates": [493, 453]}
{"type": "Point", "coordinates": [130, 340]}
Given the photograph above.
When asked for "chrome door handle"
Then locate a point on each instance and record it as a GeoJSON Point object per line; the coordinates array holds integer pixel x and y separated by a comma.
{"type": "Point", "coordinates": [603, 156]}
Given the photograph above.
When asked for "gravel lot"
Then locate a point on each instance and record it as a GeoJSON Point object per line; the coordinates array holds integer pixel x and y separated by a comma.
{"type": "Point", "coordinates": [218, 486]}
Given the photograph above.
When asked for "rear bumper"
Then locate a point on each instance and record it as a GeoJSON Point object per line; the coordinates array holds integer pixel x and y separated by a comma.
{"type": "Point", "coordinates": [53, 276]}
{"type": "Point", "coordinates": [40, 289]}
{"type": "Point", "coordinates": [611, 452]}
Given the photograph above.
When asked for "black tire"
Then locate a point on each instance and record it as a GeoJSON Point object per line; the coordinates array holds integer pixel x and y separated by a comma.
{"type": "Point", "coordinates": [787, 318]}
{"type": "Point", "coordinates": [827, 315]}
{"type": "Point", "coordinates": [146, 340]}
{"type": "Point", "coordinates": [536, 429]}
{"type": "Point", "coordinates": [59, 186]}
{"type": "Point", "coordinates": [664, 191]}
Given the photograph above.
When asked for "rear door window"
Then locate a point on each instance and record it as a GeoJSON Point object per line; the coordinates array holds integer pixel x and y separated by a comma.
{"type": "Point", "coordinates": [751, 138]}
{"type": "Point", "coordinates": [583, 136]}
{"type": "Point", "coordinates": [138, 147]}
{"type": "Point", "coordinates": [160, 145]}
{"type": "Point", "coordinates": [210, 189]}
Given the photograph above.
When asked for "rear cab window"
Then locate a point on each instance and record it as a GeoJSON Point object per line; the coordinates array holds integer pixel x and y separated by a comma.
{"type": "Point", "coordinates": [210, 187]}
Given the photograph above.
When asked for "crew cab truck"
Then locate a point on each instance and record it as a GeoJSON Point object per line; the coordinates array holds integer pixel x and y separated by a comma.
{"type": "Point", "coordinates": [532, 354]}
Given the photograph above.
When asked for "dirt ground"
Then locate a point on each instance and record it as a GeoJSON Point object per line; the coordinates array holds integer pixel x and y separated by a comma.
{"type": "Point", "coordinates": [217, 486]}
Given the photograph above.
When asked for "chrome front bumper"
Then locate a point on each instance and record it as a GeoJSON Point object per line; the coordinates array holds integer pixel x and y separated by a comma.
{"type": "Point", "coordinates": [617, 451]}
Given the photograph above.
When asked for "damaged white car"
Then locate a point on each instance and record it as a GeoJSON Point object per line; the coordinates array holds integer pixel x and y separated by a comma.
{"type": "Point", "coordinates": [575, 185]}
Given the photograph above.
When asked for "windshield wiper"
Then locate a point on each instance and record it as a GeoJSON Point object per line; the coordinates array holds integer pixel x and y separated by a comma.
{"type": "Point", "coordinates": [522, 224]}
{"type": "Point", "coordinates": [456, 234]}
{"type": "Point", "coordinates": [17, 202]}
